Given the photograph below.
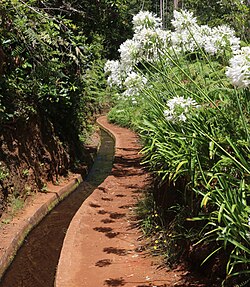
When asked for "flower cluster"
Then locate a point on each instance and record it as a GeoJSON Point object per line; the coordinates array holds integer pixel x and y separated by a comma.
{"type": "Point", "coordinates": [113, 69]}
{"type": "Point", "coordinates": [178, 108]}
{"type": "Point", "coordinates": [146, 43]}
{"type": "Point", "coordinates": [239, 70]}
{"type": "Point", "coordinates": [220, 38]}
{"type": "Point", "coordinates": [150, 42]}
{"type": "Point", "coordinates": [146, 19]}
{"type": "Point", "coordinates": [144, 46]}
{"type": "Point", "coordinates": [129, 51]}
{"type": "Point", "coordinates": [189, 36]}
{"type": "Point", "coordinates": [183, 19]}
{"type": "Point", "coordinates": [134, 83]}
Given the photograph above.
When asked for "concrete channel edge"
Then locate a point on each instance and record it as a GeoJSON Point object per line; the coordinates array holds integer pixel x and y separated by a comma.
{"type": "Point", "coordinates": [41, 211]}
{"type": "Point", "coordinates": [30, 222]}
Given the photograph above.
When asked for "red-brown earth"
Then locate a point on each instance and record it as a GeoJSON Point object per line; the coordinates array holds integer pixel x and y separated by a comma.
{"type": "Point", "coordinates": [104, 246]}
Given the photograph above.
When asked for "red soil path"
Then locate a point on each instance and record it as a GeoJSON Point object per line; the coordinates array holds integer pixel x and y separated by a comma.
{"type": "Point", "coordinates": [101, 247]}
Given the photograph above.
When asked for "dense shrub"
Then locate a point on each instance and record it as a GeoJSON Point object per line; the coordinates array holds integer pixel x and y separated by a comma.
{"type": "Point", "coordinates": [45, 68]}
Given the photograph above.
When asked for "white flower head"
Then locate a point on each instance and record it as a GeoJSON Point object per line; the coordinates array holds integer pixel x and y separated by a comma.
{"type": "Point", "coordinates": [183, 19]}
{"type": "Point", "coordinates": [178, 108]}
{"type": "Point", "coordinates": [219, 38]}
{"type": "Point", "coordinates": [134, 83]}
{"type": "Point", "coordinates": [183, 40]}
{"type": "Point", "coordinates": [145, 19]}
{"type": "Point", "coordinates": [114, 71]}
{"type": "Point", "coordinates": [152, 42]}
{"type": "Point", "coordinates": [239, 70]}
{"type": "Point", "coordinates": [134, 101]}
{"type": "Point", "coordinates": [129, 53]}
{"type": "Point", "coordinates": [189, 36]}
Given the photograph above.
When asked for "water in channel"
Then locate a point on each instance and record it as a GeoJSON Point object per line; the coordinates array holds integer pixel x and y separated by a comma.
{"type": "Point", "coordinates": [36, 261]}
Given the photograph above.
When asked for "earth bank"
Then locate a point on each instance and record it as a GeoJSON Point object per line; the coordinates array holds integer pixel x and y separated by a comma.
{"type": "Point", "coordinates": [31, 155]}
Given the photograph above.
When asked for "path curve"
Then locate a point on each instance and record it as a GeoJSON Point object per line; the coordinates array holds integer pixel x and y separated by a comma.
{"type": "Point", "coordinates": [101, 247]}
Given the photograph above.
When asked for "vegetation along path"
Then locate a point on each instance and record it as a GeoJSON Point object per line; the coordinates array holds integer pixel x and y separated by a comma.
{"type": "Point", "coordinates": [102, 246]}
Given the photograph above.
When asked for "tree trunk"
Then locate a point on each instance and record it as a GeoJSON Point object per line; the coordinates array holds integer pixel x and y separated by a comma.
{"type": "Point", "coordinates": [176, 4]}
{"type": "Point", "coordinates": [161, 10]}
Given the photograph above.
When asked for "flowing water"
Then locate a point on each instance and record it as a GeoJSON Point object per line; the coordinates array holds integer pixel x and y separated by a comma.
{"type": "Point", "coordinates": [36, 261]}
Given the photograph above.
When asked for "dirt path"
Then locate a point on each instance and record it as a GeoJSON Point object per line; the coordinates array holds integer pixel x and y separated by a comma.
{"type": "Point", "coordinates": [101, 247]}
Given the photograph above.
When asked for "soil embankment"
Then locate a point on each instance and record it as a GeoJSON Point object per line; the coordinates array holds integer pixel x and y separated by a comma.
{"type": "Point", "coordinates": [34, 176]}
{"type": "Point", "coordinates": [31, 155]}
{"type": "Point", "coordinates": [36, 261]}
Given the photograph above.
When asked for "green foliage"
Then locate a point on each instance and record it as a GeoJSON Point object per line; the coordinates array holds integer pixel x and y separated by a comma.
{"type": "Point", "coordinates": [228, 222]}
{"type": "Point", "coordinates": [233, 12]}
{"type": "Point", "coordinates": [48, 68]}
{"type": "Point", "coordinates": [108, 18]}
{"type": "Point", "coordinates": [164, 229]}
{"type": "Point", "coordinates": [144, 210]}
{"type": "Point", "coordinates": [208, 152]}
{"type": "Point", "coordinates": [125, 115]}
{"type": "Point", "coordinates": [3, 172]}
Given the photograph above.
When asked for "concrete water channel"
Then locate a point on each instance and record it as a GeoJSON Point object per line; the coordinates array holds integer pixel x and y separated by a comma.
{"type": "Point", "coordinates": [36, 261]}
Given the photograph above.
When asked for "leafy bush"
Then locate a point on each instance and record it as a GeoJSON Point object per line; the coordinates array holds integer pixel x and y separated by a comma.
{"type": "Point", "coordinates": [47, 68]}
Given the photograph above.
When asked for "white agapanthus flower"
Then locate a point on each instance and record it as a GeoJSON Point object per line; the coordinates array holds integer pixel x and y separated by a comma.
{"type": "Point", "coordinates": [152, 42]}
{"type": "Point", "coordinates": [183, 38]}
{"type": "Point", "coordinates": [134, 101]}
{"type": "Point", "coordinates": [239, 70]}
{"type": "Point", "coordinates": [183, 19]}
{"type": "Point", "coordinates": [146, 19]}
{"type": "Point", "coordinates": [178, 108]}
{"type": "Point", "coordinates": [113, 69]}
{"type": "Point", "coordinates": [134, 83]}
{"type": "Point", "coordinates": [129, 51]}
{"type": "Point", "coordinates": [189, 36]}
{"type": "Point", "coordinates": [217, 39]}
{"type": "Point", "coordinates": [183, 41]}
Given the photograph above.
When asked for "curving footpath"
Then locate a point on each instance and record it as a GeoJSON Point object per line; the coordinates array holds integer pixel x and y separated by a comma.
{"type": "Point", "coordinates": [101, 247]}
